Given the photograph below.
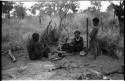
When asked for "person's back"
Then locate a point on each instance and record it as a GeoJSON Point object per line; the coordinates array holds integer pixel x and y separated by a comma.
{"type": "Point", "coordinates": [33, 47]}
{"type": "Point", "coordinates": [36, 49]}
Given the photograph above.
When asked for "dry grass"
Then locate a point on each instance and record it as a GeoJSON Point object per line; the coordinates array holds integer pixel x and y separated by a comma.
{"type": "Point", "coordinates": [15, 30]}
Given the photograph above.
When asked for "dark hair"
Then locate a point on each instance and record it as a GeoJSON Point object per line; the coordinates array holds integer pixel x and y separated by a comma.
{"type": "Point", "coordinates": [96, 19]}
{"type": "Point", "coordinates": [77, 31]}
{"type": "Point", "coordinates": [35, 36]}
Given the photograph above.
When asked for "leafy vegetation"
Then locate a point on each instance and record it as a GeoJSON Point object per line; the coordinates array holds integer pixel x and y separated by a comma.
{"type": "Point", "coordinates": [7, 6]}
{"type": "Point", "coordinates": [57, 20]}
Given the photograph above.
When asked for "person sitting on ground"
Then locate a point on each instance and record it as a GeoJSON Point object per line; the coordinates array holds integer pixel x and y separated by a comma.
{"type": "Point", "coordinates": [76, 45]}
{"type": "Point", "coordinates": [93, 38]}
{"type": "Point", "coordinates": [35, 49]}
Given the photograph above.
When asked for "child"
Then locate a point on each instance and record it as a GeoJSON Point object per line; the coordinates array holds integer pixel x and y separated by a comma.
{"type": "Point", "coordinates": [76, 45]}
{"type": "Point", "coordinates": [93, 37]}
{"type": "Point", "coordinates": [35, 49]}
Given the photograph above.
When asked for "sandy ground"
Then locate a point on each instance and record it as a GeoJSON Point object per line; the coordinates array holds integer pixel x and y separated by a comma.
{"type": "Point", "coordinates": [43, 69]}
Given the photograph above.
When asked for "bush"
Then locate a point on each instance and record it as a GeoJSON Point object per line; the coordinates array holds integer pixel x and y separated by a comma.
{"type": "Point", "coordinates": [13, 33]}
{"type": "Point", "coordinates": [5, 38]}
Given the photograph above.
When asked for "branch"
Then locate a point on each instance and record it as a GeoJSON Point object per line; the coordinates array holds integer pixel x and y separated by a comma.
{"type": "Point", "coordinates": [9, 53]}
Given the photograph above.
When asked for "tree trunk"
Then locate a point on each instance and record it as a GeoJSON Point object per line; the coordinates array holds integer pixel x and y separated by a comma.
{"type": "Point", "coordinates": [40, 20]}
{"type": "Point", "coordinates": [8, 15]}
{"type": "Point", "coordinates": [121, 25]}
{"type": "Point", "coordinates": [23, 16]}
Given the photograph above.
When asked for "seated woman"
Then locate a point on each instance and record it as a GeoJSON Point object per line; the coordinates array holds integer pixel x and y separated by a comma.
{"type": "Point", "coordinates": [76, 45]}
{"type": "Point", "coordinates": [36, 49]}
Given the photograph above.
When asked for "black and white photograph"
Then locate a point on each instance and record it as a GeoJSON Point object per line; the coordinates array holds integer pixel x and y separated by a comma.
{"type": "Point", "coordinates": [62, 40]}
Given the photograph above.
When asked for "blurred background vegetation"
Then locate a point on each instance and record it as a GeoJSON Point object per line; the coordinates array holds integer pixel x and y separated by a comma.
{"type": "Point", "coordinates": [18, 25]}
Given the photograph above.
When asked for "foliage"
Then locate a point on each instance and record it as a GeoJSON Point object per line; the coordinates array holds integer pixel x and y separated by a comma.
{"type": "Point", "coordinates": [119, 9]}
{"type": "Point", "coordinates": [90, 10]}
{"type": "Point", "coordinates": [119, 12]}
{"type": "Point", "coordinates": [60, 8]}
{"type": "Point", "coordinates": [97, 6]}
{"type": "Point", "coordinates": [52, 8]}
{"type": "Point", "coordinates": [110, 8]}
{"type": "Point", "coordinates": [20, 11]}
{"type": "Point", "coordinates": [64, 7]}
{"type": "Point", "coordinates": [7, 6]}
{"type": "Point", "coordinates": [93, 10]}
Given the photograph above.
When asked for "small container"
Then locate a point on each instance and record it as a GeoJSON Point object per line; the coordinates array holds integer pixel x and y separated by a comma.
{"type": "Point", "coordinates": [82, 53]}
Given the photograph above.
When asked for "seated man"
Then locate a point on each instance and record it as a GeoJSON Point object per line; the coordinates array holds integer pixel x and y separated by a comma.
{"type": "Point", "coordinates": [35, 49]}
{"type": "Point", "coordinates": [76, 45]}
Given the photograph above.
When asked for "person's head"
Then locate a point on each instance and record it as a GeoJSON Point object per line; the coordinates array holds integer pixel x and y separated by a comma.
{"type": "Point", "coordinates": [95, 21]}
{"type": "Point", "coordinates": [35, 37]}
{"type": "Point", "coordinates": [77, 33]}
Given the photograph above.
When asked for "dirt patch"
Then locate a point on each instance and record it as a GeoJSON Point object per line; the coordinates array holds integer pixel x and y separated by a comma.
{"type": "Point", "coordinates": [72, 68]}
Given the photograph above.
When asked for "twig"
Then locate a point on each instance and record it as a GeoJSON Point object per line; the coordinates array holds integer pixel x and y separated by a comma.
{"type": "Point", "coordinates": [61, 67]}
{"type": "Point", "coordinates": [9, 53]}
